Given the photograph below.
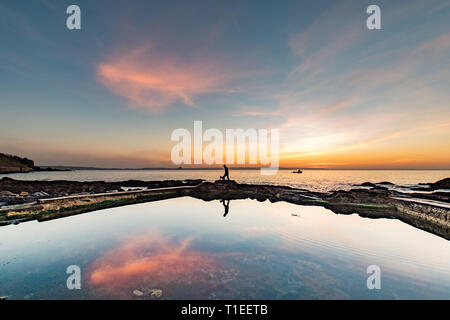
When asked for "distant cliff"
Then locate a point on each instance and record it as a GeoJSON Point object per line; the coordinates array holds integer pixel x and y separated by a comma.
{"type": "Point", "coordinates": [10, 163]}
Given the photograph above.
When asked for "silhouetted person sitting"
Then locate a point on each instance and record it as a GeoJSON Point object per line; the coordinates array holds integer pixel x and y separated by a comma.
{"type": "Point", "coordinates": [226, 206]}
{"type": "Point", "coordinates": [227, 174]}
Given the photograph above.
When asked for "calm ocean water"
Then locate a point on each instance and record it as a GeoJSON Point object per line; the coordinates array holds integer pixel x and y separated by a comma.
{"type": "Point", "coordinates": [316, 180]}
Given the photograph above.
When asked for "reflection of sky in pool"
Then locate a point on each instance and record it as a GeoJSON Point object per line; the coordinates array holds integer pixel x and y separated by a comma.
{"type": "Point", "coordinates": [186, 248]}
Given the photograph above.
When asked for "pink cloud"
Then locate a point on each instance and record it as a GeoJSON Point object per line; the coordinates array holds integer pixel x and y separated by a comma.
{"type": "Point", "coordinates": [154, 81]}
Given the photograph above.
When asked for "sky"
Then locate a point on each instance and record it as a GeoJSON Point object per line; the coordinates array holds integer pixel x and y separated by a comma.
{"type": "Point", "coordinates": [112, 93]}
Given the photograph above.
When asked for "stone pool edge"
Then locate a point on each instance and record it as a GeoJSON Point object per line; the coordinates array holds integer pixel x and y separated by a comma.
{"type": "Point", "coordinates": [370, 203]}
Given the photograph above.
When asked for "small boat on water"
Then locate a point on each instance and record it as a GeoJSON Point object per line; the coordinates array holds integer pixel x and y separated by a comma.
{"type": "Point", "coordinates": [297, 171]}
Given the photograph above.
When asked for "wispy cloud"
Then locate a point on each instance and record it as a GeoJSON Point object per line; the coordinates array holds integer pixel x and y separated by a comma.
{"type": "Point", "coordinates": [155, 80]}
{"type": "Point", "coordinates": [341, 97]}
{"type": "Point", "coordinates": [317, 47]}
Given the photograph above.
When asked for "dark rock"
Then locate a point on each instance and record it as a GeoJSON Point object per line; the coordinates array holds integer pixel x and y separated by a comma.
{"type": "Point", "coordinates": [441, 184]}
{"type": "Point", "coordinates": [7, 194]}
{"type": "Point", "coordinates": [436, 196]}
{"type": "Point", "coordinates": [375, 195]}
{"type": "Point", "coordinates": [40, 189]}
{"type": "Point", "coordinates": [367, 184]}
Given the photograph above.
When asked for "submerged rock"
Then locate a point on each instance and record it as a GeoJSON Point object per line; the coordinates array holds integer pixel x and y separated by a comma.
{"type": "Point", "coordinates": [138, 293]}
{"type": "Point", "coordinates": [155, 293]}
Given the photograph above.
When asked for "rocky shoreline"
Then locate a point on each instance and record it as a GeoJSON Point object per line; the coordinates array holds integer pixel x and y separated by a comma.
{"type": "Point", "coordinates": [426, 208]}
{"type": "Point", "coordinates": [22, 191]}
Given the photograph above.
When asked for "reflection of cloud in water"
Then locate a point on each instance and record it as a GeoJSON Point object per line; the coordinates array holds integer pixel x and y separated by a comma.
{"type": "Point", "coordinates": [151, 255]}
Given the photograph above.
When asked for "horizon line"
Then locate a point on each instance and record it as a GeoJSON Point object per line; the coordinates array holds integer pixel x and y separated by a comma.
{"type": "Point", "coordinates": [231, 167]}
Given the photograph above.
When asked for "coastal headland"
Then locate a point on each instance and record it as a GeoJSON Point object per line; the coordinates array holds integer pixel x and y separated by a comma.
{"type": "Point", "coordinates": [15, 164]}
{"type": "Point", "coordinates": [426, 206]}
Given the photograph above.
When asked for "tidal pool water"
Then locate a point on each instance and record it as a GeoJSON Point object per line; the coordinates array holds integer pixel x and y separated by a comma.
{"type": "Point", "coordinates": [186, 248]}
